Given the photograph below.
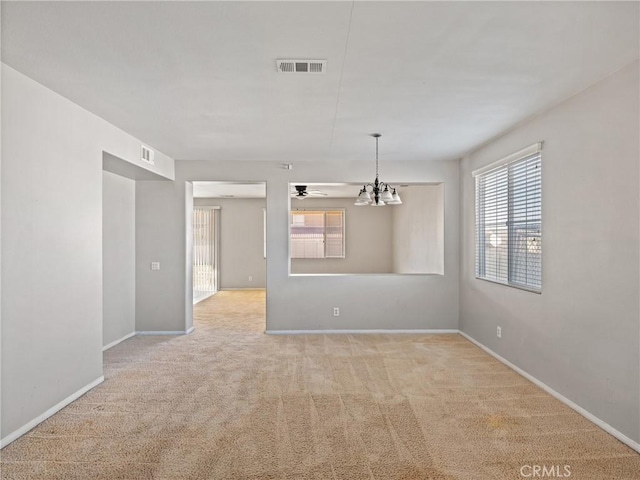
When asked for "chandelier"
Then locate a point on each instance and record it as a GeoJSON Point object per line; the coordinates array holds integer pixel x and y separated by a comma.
{"type": "Point", "coordinates": [377, 193]}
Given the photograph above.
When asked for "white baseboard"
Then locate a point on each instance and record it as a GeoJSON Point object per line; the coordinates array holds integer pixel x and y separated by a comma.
{"type": "Point", "coordinates": [113, 344]}
{"type": "Point", "coordinates": [164, 332]}
{"type": "Point", "coordinates": [357, 332]}
{"type": "Point", "coordinates": [589, 416]}
{"type": "Point", "coordinates": [190, 330]}
{"type": "Point", "coordinates": [56, 408]}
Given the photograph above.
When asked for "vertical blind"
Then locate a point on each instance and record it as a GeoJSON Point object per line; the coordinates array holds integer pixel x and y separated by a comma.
{"type": "Point", "coordinates": [317, 234]}
{"type": "Point", "coordinates": [203, 250]}
{"type": "Point", "coordinates": [509, 222]}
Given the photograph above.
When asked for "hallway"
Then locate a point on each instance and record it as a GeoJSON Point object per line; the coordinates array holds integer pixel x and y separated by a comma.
{"type": "Point", "coordinates": [232, 311]}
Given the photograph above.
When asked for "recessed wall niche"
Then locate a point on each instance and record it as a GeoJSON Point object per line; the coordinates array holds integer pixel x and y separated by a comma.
{"type": "Point", "coordinates": [329, 234]}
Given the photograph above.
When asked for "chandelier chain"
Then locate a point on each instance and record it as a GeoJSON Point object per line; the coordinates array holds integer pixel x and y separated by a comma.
{"type": "Point", "coordinates": [376, 157]}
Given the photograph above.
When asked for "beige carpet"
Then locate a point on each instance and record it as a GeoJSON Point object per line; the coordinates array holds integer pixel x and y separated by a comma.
{"type": "Point", "coordinates": [229, 402]}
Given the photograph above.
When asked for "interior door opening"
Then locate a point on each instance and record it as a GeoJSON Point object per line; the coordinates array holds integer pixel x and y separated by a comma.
{"type": "Point", "coordinates": [228, 259]}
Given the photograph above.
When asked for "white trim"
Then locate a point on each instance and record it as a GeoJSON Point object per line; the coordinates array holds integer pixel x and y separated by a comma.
{"type": "Point", "coordinates": [358, 332]}
{"type": "Point", "coordinates": [163, 332]}
{"type": "Point", "coordinates": [113, 344]}
{"type": "Point", "coordinates": [525, 152]}
{"type": "Point", "coordinates": [362, 274]}
{"type": "Point", "coordinates": [190, 330]}
{"type": "Point", "coordinates": [56, 408]}
{"type": "Point", "coordinates": [589, 416]}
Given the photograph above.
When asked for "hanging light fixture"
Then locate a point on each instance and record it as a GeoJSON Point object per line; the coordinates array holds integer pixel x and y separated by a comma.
{"type": "Point", "coordinates": [377, 193]}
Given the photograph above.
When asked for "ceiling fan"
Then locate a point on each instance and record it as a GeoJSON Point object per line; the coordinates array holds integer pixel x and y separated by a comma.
{"type": "Point", "coordinates": [301, 192]}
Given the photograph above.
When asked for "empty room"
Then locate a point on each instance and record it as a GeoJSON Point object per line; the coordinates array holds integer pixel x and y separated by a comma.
{"type": "Point", "coordinates": [320, 240]}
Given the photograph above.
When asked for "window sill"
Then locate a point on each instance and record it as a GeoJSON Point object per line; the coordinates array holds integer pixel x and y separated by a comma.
{"type": "Point", "coordinates": [512, 285]}
{"type": "Point", "coordinates": [318, 258]}
{"type": "Point", "coordinates": [366, 275]}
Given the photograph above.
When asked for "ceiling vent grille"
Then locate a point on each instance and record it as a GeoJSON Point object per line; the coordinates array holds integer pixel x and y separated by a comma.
{"type": "Point", "coordinates": [301, 66]}
{"type": "Point", "coordinates": [146, 155]}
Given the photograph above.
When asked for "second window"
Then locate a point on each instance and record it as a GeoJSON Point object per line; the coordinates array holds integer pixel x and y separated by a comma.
{"type": "Point", "coordinates": [317, 233]}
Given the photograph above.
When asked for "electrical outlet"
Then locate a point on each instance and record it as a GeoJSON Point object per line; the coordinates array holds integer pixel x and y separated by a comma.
{"type": "Point", "coordinates": [155, 265]}
{"type": "Point", "coordinates": [250, 278]}
{"type": "Point", "coordinates": [499, 332]}
{"type": "Point", "coordinates": [336, 312]}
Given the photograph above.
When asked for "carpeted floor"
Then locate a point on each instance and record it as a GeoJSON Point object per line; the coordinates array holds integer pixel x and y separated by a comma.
{"type": "Point", "coordinates": [228, 402]}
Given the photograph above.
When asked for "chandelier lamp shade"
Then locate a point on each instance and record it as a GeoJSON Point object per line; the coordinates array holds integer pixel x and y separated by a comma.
{"type": "Point", "coordinates": [377, 193]}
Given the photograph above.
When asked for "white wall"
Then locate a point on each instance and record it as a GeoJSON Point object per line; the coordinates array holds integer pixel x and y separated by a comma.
{"type": "Point", "coordinates": [52, 247]}
{"type": "Point", "coordinates": [1, 153]}
{"type": "Point", "coordinates": [241, 241]}
{"type": "Point", "coordinates": [418, 230]}
{"type": "Point", "coordinates": [366, 301]}
{"type": "Point", "coordinates": [118, 257]}
{"type": "Point", "coordinates": [368, 236]}
{"type": "Point", "coordinates": [581, 335]}
{"type": "Point", "coordinates": [161, 236]}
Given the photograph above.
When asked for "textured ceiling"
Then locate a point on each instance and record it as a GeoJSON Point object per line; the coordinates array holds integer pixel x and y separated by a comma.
{"type": "Point", "coordinates": [197, 80]}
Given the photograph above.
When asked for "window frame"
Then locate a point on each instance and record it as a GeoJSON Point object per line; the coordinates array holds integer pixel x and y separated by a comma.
{"type": "Point", "coordinates": [506, 164]}
{"type": "Point", "coordinates": [324, 211]}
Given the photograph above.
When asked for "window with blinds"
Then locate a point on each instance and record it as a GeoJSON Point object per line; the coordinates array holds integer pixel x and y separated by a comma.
{"type": "Point", "coordinates": [317, 233]}
{"type": "Point", "coordinates": [509, 220]}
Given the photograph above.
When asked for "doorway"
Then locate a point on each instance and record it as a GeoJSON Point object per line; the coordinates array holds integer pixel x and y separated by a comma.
{"type": "Point", "coordinates": [229, 257]}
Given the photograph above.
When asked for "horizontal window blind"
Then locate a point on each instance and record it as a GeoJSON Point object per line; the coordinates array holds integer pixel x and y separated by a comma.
{"type": "Point", "coordinates": [509, 223]}
{"type": "Point", "coordinates": [317, 234]}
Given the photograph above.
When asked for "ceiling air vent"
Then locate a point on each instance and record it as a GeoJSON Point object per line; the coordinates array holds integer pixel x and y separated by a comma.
{"type": "Point", "coordinates": [301, 66]}
{"type": "Point", "coordinates": [146, 155]}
